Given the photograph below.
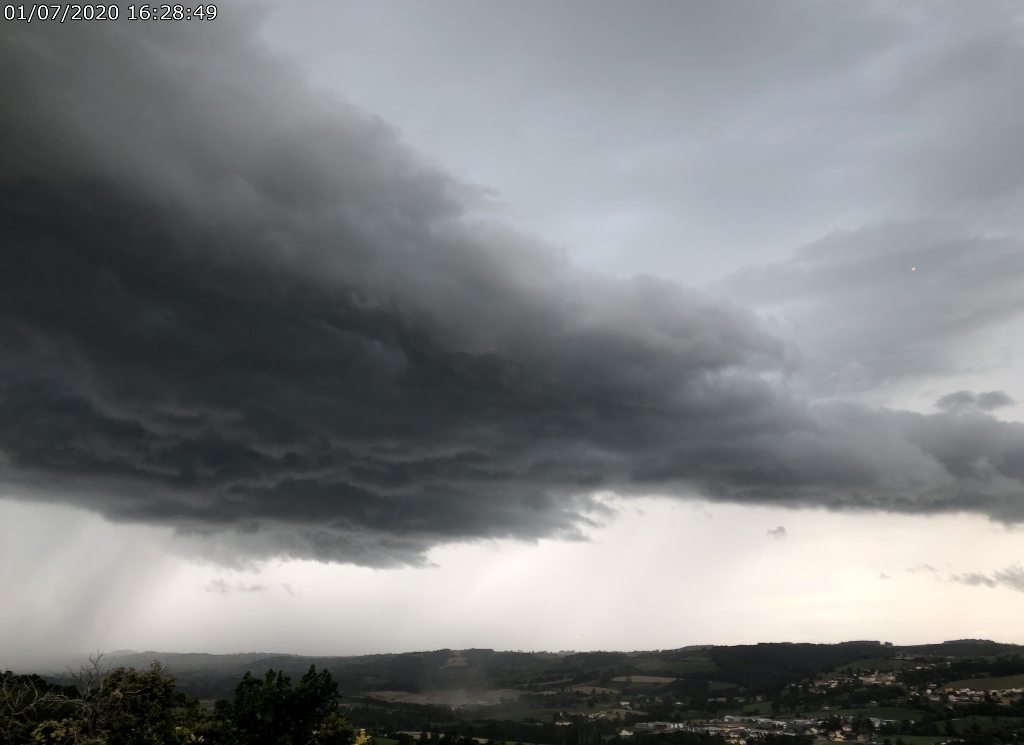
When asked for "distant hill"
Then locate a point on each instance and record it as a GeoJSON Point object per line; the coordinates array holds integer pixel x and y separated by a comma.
{"type": "Point", "coordinates": [961, 648]}
{"type": "Point", "coordinates": [753, 667]}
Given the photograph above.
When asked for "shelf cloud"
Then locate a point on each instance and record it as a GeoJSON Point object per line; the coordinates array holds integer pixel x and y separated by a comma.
{"type": "Point", "coordinates": [234, 305]}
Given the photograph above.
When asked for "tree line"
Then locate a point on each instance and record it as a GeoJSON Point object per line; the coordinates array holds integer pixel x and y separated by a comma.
{"type": "Point", "coordinates": [125, 706]}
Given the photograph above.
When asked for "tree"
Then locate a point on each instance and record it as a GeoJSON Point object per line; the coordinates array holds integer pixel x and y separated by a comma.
{"type": "Point", "coordinates": [335, 730]}
{"type": "Point", "coordinates": [134, 708]}
{"type": "Point", "coordinates": [25, 700]}
{"type": "Point", "coordinates": [269, 711]}
{"type": "Point", "coordinates": [130, 707]}
{"type": "Point", "coordinates": [121, 707]}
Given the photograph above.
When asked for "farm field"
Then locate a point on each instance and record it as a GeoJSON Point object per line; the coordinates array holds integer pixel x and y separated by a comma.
{"type": "Point", "coordinates": [878, 712]}
{"type": "Point", "coordinates": [589, 690]}
{"type": "Point", "coordinates": [988, 684]}
{"type": "Point", "coordinates": [758, 708]}
{"type": "Point", "coordinates": [882, 664]}
{"type": "Point", "coordinates": [905, 739]}
{"type": "Point", "coordinates": [721, 685]}
{"type": "Point", "coordinates": [449, 698]}
{"type": "Point", "coordinates": [984, 724]}
{"type": "Point", "coordinates": [696, 664]}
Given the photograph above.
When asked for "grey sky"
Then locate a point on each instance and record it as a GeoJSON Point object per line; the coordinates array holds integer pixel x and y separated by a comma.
{"type": "Point", "coordinates": [691, 138]}
{"type": "Point", "coordinates": [350, 282]}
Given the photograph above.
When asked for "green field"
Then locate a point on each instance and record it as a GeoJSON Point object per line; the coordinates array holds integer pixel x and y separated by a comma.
{"type": "Point", "coordinates": [720, 685]}
{"type": "Point", "coordinates": [692, 714]}
{"type": "Point", "coordinates": [882, 664]}
{"type": "Point", "coordinates": [695, 664]}
{"type": "Point", "coordinates": [544, 714]}
{"type": "Point", "coordinates": [757, 709]}
{"type": "Point", "coordinates": [988, 684]}
{"type": "Point", "coordinates": [984, 724]}
{"type": "Point", "coordinates": [876, 712]}
{"type": "Point", "coordinates": [593, 690]}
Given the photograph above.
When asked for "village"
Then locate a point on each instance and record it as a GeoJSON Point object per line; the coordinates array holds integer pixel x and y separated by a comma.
{"type": "Point", "coordinates": [929, 712]}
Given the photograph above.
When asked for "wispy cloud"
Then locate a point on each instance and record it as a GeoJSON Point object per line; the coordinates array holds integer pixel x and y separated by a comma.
{"type": "Point", "coordinates": [1012, 577]}
{"type": "Point", "coordinates": [974, 579]}
{"type": "Point", "coordinates": [223, 587]}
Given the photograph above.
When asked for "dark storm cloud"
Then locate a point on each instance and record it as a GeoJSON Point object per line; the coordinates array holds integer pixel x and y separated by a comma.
{"type": "Point", "coordinates": [234, 306]}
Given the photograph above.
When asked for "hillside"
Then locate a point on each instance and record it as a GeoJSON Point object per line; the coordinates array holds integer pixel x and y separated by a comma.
{"type": "Point", "coordinates": [755, 668]}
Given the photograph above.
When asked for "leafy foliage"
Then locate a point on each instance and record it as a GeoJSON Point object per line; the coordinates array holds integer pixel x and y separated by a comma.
{"type": "Point", "coordinates": [269, 711]}
{"type": "Point", "coordinates": [130, 707]}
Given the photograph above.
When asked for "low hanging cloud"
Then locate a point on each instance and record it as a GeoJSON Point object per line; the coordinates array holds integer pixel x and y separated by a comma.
{"type": "Point", "coordinates": [777, 533]}
{"type": "Point", "coordinates": [223, 587]}
{"type": "Point", "coordinates": [974, 579]}
{"type": "Point", "coordinates": [235, 306]}
{"type": "Point", "coordinates": [1012, 577]}
{"type": "Point", "coordinates": [967, 401]}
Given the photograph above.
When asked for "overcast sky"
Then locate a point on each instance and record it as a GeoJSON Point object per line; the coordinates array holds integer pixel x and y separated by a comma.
{"type": "Point", "coordinates": [479, 317]}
